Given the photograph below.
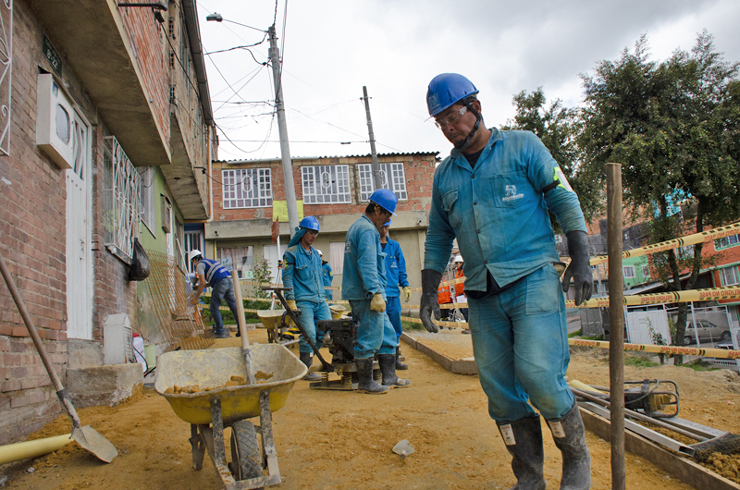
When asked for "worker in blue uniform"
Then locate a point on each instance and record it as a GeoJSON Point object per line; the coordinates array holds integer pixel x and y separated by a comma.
{"type": "Point", "coordinates": [395, 277]}
{"type": "Point", "coordinates": [328, 276]}
{"type": "Point", "coordinates": [305, 288]}
{"type": "Point", "coordinates": [213, 274]}
{"type": "Point", "coordinates": [363, 284]}
{"type": "Point", "coordinates": [493, 194]}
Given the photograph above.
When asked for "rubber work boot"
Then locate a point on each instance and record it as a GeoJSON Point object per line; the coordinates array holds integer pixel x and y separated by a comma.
{"type": "Point", "coordinates": [523, 439]}
{"type": "Point", "coordinates": [307, 359]}
{"type": "Point", "coordinates": [570, 437]}
{"type": "Point", "coordinates": [388, 369]}
{"type": "Point", "coordinates": [399, 365]}
{"type": "Point", "coordinates": [365, 374]}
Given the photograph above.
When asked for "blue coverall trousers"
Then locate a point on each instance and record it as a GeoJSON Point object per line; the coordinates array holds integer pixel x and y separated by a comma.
{"type": "Point", "coordinates": [223, 289]}
{"type": "Point", "coordinates": [375, 334]}
{"type": "Point", "coordinates": [393, 311]}
{"type": "Point", "coordinates": [520, 343]}
{"type": "Point", "coordinates": [311, 313]}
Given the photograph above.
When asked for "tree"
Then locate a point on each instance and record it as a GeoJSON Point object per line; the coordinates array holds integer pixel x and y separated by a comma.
{"type": "Point", "coordinates": [558, 128]}
{"type": "Point", "coordinates": [674, 128]}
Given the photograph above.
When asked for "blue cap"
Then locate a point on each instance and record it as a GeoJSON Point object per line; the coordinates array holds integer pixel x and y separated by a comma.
{"type": "Point", "coordinates": [446, 89]}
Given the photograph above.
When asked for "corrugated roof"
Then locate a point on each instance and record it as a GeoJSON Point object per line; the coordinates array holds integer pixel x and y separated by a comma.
{"type": "Point", "coordinates": [277, 159]}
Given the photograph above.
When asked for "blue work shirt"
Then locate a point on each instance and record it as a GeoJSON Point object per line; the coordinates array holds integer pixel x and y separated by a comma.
{"type": "Point", "coordinates": [327, 274]}
{"type": "Point", "coordinates": [302, 273]}
{"type": "Point", "coordinates": [498, 211]}
{"type": "Point", "coordinates": [395, 269]}
{"type": "Point", "coordinates": [364, 262]}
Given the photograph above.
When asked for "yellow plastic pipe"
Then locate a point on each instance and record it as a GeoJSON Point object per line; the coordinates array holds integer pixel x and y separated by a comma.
{"type": "Point", "coordinates": [32, 449]}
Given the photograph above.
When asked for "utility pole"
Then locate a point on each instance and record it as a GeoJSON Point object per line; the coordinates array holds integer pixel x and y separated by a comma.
{"type": "Point", "coordinates": [283, 131]}
{"type": "Point", "coordinates": [376, 168]}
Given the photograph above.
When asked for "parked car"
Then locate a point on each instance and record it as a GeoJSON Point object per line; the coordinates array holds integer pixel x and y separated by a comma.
{"type": "Point", "coordinates": [706, 330]}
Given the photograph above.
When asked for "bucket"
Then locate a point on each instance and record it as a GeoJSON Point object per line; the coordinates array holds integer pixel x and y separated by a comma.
{"type": "Point", "coordinates": [337, 311]}
{"type": "Point", "coordinates": [150, 354]}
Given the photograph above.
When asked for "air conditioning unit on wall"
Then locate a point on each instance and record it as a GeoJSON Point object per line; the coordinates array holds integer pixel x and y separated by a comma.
{"type": "Point", "coordinates": [54, 118]}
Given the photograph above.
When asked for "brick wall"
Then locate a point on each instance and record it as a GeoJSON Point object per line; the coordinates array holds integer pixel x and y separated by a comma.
{"type": "Point", "coordinates": [32, 227]}
{"type": "Point", "coordinates": [33, 243]}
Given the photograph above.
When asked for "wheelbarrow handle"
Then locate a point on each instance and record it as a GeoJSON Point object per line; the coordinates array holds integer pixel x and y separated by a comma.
{"type": "Point", "coordinates": [324, 365]}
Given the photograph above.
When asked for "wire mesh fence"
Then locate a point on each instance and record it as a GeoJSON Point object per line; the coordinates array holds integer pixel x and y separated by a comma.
{"type": "Point", "coordinates": [180, 324]}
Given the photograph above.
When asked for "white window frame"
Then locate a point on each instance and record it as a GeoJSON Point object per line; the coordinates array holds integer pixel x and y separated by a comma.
{"type": "Point", "coordinates": [646, 271]}
{"type": "Point", "coordinates": [121, 205]}
{"type": "Point", "coordinates": [336, 257]}
{"type": "Point", "coordinates": [246, 188]}
{"type": "Point", "coordinates": [325, 184]}
{"type": "Point", "coordinates": [367, 182]}
{"type": "Point", "coordinates": [628, 271]}
{"type": "Point", "coordinates": [729, 276]}
{"type": "Point", "coordinates": [147, 210]}
{"type": "Point", "coordinates": [726, 242]}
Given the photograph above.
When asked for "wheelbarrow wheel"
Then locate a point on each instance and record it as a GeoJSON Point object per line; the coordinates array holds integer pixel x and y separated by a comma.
{"type": "Point", "coordinates": [246, 459]}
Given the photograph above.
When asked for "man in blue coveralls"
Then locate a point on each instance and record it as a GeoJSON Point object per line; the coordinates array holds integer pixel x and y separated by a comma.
{"type": "Point", "coordinates": [328, 276]}
{"type": "Point", "coordinates": [212, 273]}
{"type": "Point", "coordinates": [395, 277]}
{"type": "Point", "coordinates": [363, 284]}
{"type": "Point", "coordinates": [302, 274]}
{"type": "Point", "coordinates": [493, 194]}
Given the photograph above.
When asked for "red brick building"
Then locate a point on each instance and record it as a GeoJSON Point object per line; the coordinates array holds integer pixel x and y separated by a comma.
{"type": "Point", "coordinates": [106, 117]}
{"type": "Point", "coordinates": [249, 194]}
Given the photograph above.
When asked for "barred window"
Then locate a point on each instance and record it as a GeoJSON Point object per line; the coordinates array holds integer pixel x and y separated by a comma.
{"type": "Point", "coordinates": [726, 242]}
{"type": "Point", "coordinates": [389, 173]}
{"type": "Point", "coordinates": [729, 276]}
{"type": "Point", "coordinates": [325, 184]}
{"type": "Point", "coordinates": [247, 188]}
{"type": "Point", "coordinates": [629, 271]}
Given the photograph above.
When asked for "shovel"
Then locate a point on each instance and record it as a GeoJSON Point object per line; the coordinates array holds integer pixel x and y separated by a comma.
{"type": "Point", "coordinates": [87, 437]}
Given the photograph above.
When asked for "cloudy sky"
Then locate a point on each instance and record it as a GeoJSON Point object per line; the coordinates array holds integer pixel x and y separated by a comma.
{"type": "Point", "coordinates": [331, 49]}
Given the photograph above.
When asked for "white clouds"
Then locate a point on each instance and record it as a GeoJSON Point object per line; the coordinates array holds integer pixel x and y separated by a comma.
{"type": "Point", "coordinates": [394, 47]}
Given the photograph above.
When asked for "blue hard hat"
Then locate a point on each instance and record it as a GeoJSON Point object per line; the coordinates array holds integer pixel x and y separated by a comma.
{"type": "Point", "coordinates": [387, 223]}
{"type": "Point", "coordinates": [447, 89]}
{"type": "Point", "coordinates": [309, 223]}
{"type": "Point", "coordinates": [385, 199]}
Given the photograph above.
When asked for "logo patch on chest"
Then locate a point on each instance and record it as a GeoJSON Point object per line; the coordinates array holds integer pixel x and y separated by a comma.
{"type": "Point", "coordinates": [511, 194]}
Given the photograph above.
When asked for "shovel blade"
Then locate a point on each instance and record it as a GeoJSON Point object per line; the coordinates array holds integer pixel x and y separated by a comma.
{"type": "Point", "coordinates": [92, 441]}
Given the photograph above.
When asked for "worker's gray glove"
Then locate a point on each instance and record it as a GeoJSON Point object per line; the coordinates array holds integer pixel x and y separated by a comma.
{"type": "Point", "coordinates": [429, 284]}
{"type": "Point", "coordinates": [579, 268]}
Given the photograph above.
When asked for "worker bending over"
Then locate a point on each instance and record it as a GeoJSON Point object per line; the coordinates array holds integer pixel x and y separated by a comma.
{"type": "Point", "coordinates": [493, 194]}
{"type": "Point", "coordinates": [213, 274]}
{"type": "Point", "coordinates": [363, 284]}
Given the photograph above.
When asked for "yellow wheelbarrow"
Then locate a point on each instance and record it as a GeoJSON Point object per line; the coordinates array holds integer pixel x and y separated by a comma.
{"type": "Point", "coordinates": [215, 405]}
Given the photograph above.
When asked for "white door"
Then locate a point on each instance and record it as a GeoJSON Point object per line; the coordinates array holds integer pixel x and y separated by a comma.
{"type": "Point", "coordinates": [79, 256]}
{"type": "Point", "coordinates": [270, 254]}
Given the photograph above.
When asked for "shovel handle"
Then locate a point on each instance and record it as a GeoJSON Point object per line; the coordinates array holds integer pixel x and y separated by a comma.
{"type": "Point", "coordinates": [61, 392]}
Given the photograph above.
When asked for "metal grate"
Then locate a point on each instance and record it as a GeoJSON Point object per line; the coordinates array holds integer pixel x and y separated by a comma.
{"type": "Point", "coordinates": [180, 324]}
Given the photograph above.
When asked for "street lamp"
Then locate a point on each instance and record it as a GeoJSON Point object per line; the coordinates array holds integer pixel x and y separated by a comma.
{"type": "Point", "coordinates": [282, 126]}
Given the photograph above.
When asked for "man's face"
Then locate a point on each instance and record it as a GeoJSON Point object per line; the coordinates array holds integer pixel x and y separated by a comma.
{"type": "Point", "coordinates": [459, 265]}
{"type": "Point", "coordinates": [379, 217]}
{"type": "Point", "coordinates": [308, 237]}
{"type": "Point", "coordinates": [456, 122]}
{"type": "Point", "coordinates": [383, 230]}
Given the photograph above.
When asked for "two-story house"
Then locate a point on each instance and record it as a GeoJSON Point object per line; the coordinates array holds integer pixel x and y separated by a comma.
{"type": "Point", "coordinates": [248, 195]}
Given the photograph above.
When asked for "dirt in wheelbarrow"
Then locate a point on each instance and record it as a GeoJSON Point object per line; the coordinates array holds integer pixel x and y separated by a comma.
{"type": "Point", "coordinates": [344, 440]}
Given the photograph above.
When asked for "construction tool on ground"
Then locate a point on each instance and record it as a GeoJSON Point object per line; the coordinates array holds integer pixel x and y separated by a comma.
{"type": "Point", "coordinates": [279, 328]}
{"type": "Point", "coordinates": [216, 405]}
{"type": "Point", "coordinates": [710, 440]}
{"type": "Point", "coordinates": [340, 336]}
{"type": "Point", "coordinates": [87, 437]}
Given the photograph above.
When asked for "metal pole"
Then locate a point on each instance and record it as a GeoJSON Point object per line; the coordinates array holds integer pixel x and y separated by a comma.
{"type": "Point", "coordinates": [283, 130]}
{"type": "Point", "coordinates": [376, 168]}
{"type": "Point", "coordinates": [616, 320]}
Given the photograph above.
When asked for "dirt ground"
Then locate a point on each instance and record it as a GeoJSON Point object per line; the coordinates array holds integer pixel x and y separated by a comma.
{"type": "Point", "coordinates": [343, 440]}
